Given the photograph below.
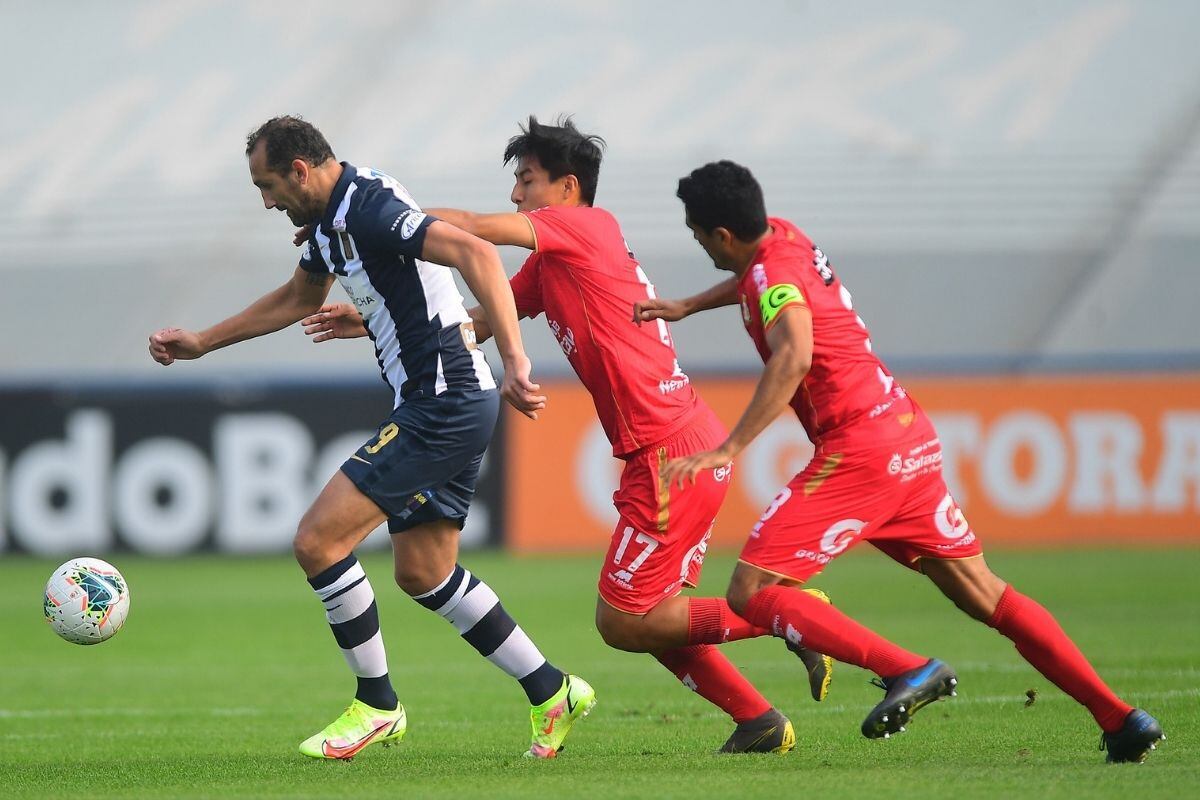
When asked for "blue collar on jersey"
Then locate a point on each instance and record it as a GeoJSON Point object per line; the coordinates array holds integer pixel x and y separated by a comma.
{"type": "Point", "coordinates": [349, 173]}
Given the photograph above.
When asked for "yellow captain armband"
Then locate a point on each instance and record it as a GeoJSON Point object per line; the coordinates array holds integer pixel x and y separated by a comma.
{"type": "Point", "coordinates": [776, 298]}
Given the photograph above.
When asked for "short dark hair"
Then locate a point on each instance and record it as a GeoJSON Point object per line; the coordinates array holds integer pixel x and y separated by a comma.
{"type": "Point", "coordinates": [561, 150]}
{"type": "Point", "coordinates": [289, 138]}
{"type": "Point", "coordinates": [723, 194]}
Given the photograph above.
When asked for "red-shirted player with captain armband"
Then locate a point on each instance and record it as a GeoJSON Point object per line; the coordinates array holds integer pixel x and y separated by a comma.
{"type": "Point", "coordinates": [582, 276]}
{"type": "Point", "coordinates": [875, 476]}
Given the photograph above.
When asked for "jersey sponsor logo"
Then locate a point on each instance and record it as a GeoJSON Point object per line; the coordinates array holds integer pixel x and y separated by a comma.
{"type": "Point", "coordinates": [677, 381]}
{"type": "Point", "coordinates": [408, 222]}
{"type": "Point", "coordinates": [821, 265]}
{"type": "Point", "coordinates": [759, 273]}
{"type": "Point", "coordinates": [565, 337]}
{"type": "Point", "coordinates": [360, 291]}
{"type": "Point", "coordinates": [896, 392]}
{"type": "Point", "coordinates": [776, 298]}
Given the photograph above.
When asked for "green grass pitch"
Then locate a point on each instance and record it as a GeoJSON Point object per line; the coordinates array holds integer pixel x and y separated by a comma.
{"type": "Point", "coordinates": [225, 665]}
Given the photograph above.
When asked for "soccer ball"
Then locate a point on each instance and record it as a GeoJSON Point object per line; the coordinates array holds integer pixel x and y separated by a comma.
{"type": "Point", "coordinates": [86, 601]}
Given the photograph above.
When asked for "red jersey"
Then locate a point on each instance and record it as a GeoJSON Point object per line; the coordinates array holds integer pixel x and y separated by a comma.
{"type": "Point", "coordinates": [848, 387]}
{"type": "Point", "coordinates": [584, 278]}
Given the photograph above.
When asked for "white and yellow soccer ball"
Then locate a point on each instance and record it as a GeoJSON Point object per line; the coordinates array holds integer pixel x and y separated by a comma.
{"type": "Point", "coordinates": [86, 601]}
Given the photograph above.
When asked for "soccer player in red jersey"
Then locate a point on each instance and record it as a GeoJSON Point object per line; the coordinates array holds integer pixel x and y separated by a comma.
{"type": "Point", "coordinates": [876, 474]}
{"type": "Point", "coordinates": [582, 276]}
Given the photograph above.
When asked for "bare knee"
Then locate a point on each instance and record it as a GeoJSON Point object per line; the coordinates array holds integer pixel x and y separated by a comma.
{"type": "Point", "coordinates": [416, 578]}
{"type": "Point", "coordinates": [425, 556]}
{"type": "Point", "coordinates": [746, 582]}
{"type": "Point", "coordinates": [313, 552]}
{"type": "Point", "coordinates": [969, 583]}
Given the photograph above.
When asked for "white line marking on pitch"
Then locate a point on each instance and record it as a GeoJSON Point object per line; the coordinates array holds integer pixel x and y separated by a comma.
{"type": "Point", "coordinates": [38, 713]}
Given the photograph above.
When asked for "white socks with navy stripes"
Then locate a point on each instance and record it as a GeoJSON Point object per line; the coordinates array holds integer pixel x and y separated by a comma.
{"type": "Point", "coordinates": [350, 608]}
{"type": "Point", "coordinates": [473, 609]}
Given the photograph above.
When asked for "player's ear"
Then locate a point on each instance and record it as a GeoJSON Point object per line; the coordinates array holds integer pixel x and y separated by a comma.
{"type": "Point", "coordinates": [570, 185]}
{"type": "Point", "coordinates": [300, 169]}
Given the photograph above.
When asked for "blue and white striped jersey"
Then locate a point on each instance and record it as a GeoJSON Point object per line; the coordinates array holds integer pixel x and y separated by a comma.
{"type": "Point", "coordinates": [371, 238]}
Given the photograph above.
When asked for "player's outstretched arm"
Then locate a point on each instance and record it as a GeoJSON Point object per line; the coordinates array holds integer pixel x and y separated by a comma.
{"type": "Point", "coordinates": [334, 321]}
{"type": "Point", "coordinates": [480, 266]}
{"type": "Point", "coordinates": [723, 294]}
{"type": "Point", "coordinates": [300, 296]}
{"type": "Point", "coordinates": [790, 339]}
{"type": "Point", "coordinates": [507, 228]}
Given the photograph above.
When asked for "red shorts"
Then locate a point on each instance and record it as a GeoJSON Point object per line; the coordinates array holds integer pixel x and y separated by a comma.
{"type": "Point", "coordinates": [893, 497]}
{"type": "Point", "coordinates": [662, 534]}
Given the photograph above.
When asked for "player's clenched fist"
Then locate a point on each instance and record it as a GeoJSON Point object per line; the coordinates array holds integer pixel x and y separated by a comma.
{"type": "Point", "coordinates": [170, 344]}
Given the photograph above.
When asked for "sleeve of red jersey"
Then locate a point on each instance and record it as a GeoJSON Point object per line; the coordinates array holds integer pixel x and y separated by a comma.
{"type": "Point", "coordinates": [780, 286]}
{"type": "Point", "coordinates": [527, 290]}
{"type": "Point", "coordinates": [551, 230]}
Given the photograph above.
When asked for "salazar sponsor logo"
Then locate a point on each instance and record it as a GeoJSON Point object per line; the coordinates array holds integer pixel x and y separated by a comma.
{"type": "Point", "coordinates": [922, 462]}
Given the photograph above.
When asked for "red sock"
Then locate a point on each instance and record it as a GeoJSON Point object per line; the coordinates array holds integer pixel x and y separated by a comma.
{"type": "Point", "coordinates": [706, 671]}
{"type": "Point", "coordinates": [712, 621]}
{"type": "Point", "coordinates": [796, 616]}
{"type": "Point", "coordinates": [1043, 643]}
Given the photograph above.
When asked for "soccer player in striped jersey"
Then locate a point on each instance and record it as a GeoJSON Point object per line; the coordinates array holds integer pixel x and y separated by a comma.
{"type": "Point", "coordinates": [419, 472]}
{"type": "Point", "coordinates": [582, 276]}
{"type": "Point", "coordinates": [876, 475]}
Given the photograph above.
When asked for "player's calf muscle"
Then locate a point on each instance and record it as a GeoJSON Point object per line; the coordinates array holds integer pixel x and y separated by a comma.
{"type": "Point", "coordinates": [968, 583]}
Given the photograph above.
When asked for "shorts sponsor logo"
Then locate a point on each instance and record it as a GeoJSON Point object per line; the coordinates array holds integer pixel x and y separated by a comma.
{"type": "Point", "coordinates": [963, 542]}
{"type": "Point", "coordinates": [840, 535]}
{"type": "Point", "coordinates": [723, 474]}
{"type": "Point", "coordinates": [950, 521]}
{"type": "Point", "coordinates": [622, 578]}
{"type": "Point", "coordinates": [921, 465]}
{"type": "Point", "coordinates": [695, 555]}
{"type": "Point", "coordinates": [812, 555]}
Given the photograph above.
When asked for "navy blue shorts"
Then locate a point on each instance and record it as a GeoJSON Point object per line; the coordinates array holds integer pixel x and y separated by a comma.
{"type": "Point", "coordinates": [423, 463]}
